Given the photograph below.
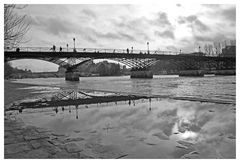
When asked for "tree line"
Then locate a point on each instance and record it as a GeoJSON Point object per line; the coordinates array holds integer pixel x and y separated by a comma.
{"type": "Point", "coordinates": [101, 68]}
{"type": "Point", "coordinates": [215, 48]}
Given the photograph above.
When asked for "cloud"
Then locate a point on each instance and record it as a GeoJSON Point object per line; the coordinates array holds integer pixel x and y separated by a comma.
{"type": "Point", "coordinates": [161, 20]}
{"type": "Point", "coordinates": [132, 28]}
{"type": "Point", "coordinates": [191, 18]}
{"type": "Point", "coordinates": [212, 6]}
{"type": "Point", "coordinates": [211, 38]}
{"type": "Point", "coordinates": [200, 26]}
{"type": "Point", "coordinates": [58, 27]}
{"type": "Point", "coordinates": [107, 35]}
{"type": "Point", "coordinates": [229, 14]}
{"type": "Point", "coordinates": [165, 34]}
{"type": "Point", "coordinates": [89, 38]}
{"type": "Point", "coordinates": [110, 35]}
{"type": "Point", "coordinates": [127, 37]}
{"type": "Point", "coordinates": [226, 13]}
{"type": "Point", "coordinates": [139, 28]}
{"type": "Point", "coordinates": [172, 48]}
{"type": "Point", "coordinates": [188, 19]}
{"type": "Point", "coordinates": [181, 20]}
{"type": "Point", "coordinates": [89, 13]}
{"type": "Point", "coordinates": [54, 25]}
{"type": "Point", "coordinates": [178, 5]}
{"type": "Point", "coordinates": [193, 22]}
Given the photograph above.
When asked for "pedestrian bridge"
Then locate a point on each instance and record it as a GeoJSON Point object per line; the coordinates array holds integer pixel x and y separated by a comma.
{"type": "Point", "coordinates": [140, 60]}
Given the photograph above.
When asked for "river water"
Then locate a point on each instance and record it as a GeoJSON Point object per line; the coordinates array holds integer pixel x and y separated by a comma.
{"type": "Point", "coordinates": [211, 87]}
{"type": "Point", "coordinates": [160, 128]}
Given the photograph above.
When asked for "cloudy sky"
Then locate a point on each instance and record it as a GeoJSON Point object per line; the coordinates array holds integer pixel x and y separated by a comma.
{"type": "Point", "coordinates": [165, 27]}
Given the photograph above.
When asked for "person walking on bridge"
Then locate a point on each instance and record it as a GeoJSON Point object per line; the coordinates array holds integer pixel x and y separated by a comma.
{"type": "Point", "coordinates": [18, 49]}
{"type": "Point", "coordinates": [54, 48]}
{"type": "Point", "coordinates": [60, 49]}
{"type": "Point", "coordinates": [127, 51]}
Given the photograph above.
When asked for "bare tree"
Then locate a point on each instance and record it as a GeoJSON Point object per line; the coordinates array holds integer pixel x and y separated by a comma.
{"type": "Point", "coordinates": [206, 49]}
{"type": "Point", "coordinates": [15, 26]}
{"type": "Point", "coordinates": [210, 49]}
{"type": "Point", "coordinates": [233, 42]}
{"type": "Point", "coordinates": [217, 48]}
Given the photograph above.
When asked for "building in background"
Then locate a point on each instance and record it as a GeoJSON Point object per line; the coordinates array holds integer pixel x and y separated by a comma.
{"type": "Point", "coordinates": [229, 51]}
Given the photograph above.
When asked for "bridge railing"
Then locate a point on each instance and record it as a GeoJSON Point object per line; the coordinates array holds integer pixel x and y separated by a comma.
{"type": "Point", "coordinates": [29, 49]}
{"type": "Point", "coordinates": [91, 50]}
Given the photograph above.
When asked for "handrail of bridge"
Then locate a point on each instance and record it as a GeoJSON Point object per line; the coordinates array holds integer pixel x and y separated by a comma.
{"type": "Point", "coordinates": [91, 50]}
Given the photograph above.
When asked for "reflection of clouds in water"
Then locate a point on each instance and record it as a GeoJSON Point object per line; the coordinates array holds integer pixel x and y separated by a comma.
{"type": "Point", "coordinates": [216, 147]}
{"type": "Point", "coordinates": [208, 131]}
{"type": "Point", "coordinates": [188, 135]}
{"type": "Point", "coordinates": [165, 121]}
{"type": "Point", "coordinates": [215, 132]}
{"type": "Point", "coordinates": [136, 119]}
{"type": "Point", "coordinates": [60, 125]}
{"type": "Point", "coordinates": [194, 117]}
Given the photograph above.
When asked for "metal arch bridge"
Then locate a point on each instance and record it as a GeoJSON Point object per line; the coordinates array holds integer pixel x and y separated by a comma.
{"type": "Point", "coordinates": [70, 58]}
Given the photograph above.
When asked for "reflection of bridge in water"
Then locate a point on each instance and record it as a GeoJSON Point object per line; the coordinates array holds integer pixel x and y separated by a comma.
{"type": "Point", "coordinates": [64, 99]}
{"type": "Point", "coordinates": [74, 98]}
{"type": "Point", "coordinates": [139, 61]}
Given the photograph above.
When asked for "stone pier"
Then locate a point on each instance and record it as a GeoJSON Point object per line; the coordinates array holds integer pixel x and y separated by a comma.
{"type": "Point", "coordinates": [192, 73]}
{"type": "Point", "coordinates": [142, 74]}
{"type": "Point", "coordinates": [225, 72]}
{"type": "Point", "coordinates": [71, 76]}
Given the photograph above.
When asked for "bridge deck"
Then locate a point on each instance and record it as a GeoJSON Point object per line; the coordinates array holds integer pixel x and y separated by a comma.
{"type": "Point", "coordinates": [92, 53]}
{"type": "Point", "coordinates": [27, 54]}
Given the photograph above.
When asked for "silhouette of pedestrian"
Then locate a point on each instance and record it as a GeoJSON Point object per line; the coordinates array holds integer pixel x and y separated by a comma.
{"type": "Point", "coordinates": [56, 110]}
{"type": "Point", "coordinates": [60, 49]}
{"type": "Point", "coordinates": [18, 50]}
{"type": "Point", "coordinates": [54, 48]}
{"type": "Point", "coordinates": [132, 49]}
{"type": "Point", "coordinates": [127, 50]}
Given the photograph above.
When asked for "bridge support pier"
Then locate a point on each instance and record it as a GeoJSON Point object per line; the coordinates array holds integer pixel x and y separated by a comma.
{"type": "Point", "coordinates": [225, 72]}
{"type": "Point", "coordinates": [141, 74]}
{"type": "Point", "coordinates": [192, 73]}
{"type": "Point", "coordinates": [71, 76]}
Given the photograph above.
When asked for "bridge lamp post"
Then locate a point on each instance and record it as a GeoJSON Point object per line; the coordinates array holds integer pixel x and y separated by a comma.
{"type": "Point", "coordinates": [74, 44]}
{"type": "Point", "coordinates": [199, 56]}
{"type": "Point", "coordinates": [67, 47]}
{"type": "Point", "coordinates": [148, 47]}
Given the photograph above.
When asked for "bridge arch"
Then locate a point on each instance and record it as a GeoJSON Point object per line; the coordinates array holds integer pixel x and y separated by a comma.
{"type": "Point", "coordinates": [133, 63]}
{"type": "Point", "coordinates": [61, 62]}
{"type": "Point", "coordinates": [64, 62]}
